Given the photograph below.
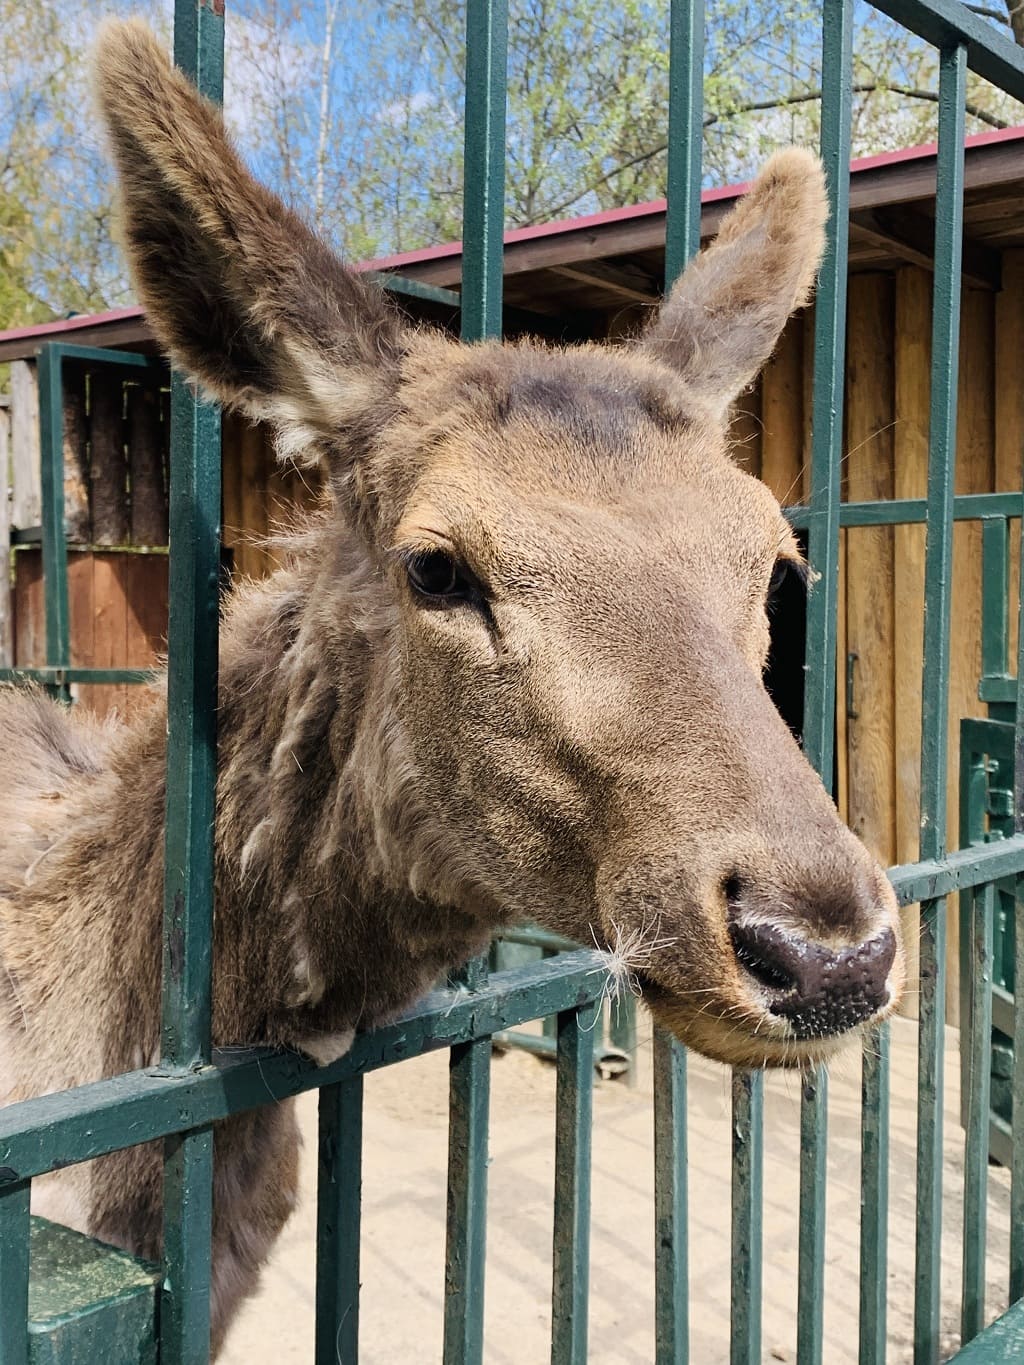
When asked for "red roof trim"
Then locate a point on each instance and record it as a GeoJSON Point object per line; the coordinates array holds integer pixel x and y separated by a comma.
{"type": "Point", "coordinates": [586, 223]}
{"type": "Point", "coordinates": [73, 324]}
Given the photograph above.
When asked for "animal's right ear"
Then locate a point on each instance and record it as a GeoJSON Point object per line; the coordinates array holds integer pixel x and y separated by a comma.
{"type": "Point", "coordinates": [240, 292]}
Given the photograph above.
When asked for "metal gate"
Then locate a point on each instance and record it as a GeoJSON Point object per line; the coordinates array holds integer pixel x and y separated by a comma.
{"type": "Point", "coordinates": [179, 1101]}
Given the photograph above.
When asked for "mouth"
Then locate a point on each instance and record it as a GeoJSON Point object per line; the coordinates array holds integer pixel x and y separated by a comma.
{"type": "Point", "coordinates": [744, 1032]}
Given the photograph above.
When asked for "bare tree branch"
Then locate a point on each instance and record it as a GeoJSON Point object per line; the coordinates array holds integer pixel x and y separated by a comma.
{"type": "Point", "coordinates": [756, 107]}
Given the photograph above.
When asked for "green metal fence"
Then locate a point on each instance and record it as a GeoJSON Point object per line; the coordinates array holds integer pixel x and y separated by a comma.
{"type": "Point", "coordinates": [179, 1101]}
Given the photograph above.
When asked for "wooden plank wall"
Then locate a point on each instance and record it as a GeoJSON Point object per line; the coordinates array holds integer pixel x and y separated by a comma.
{"type": "Point", "coordinates": [882, 569]}
{"type": "Point", "coordinates": [118, 610]}
{"type": "Point", "coordinates": [262, 502]}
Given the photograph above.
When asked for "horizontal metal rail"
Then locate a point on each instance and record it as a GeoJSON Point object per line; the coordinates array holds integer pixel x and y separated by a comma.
{"type": "Point", "coordinates": [54, 1131]}
{"type": "Point", "coordinates": [911, 511]}
{"type": "Point", "coordinates": [934, 878]}
{"type": "Point", "coordinates": [60, 677]}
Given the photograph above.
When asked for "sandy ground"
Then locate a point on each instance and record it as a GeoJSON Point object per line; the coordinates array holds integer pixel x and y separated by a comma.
{"type": "Point", "coordinates": [404, 1219]}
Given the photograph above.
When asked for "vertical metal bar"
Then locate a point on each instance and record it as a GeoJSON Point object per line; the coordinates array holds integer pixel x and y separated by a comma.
{"type": "Point", "coordinates": [747, 1212]}
{"type": "Point", "coordinates": [465, 1256]}
{"type": "Point", "coordinates": [1017, 1116]}
{"type": "Point", "coordinates": [671, 1288]}
{"type": "Point", "coordinates": [935, 690]}
{"type": "Point", "coordinates": [995, 588]}
{"type": "Point", "coordinates": [874, 1195]}
{"type": "Point", "coordinates": [571, 1258]}
{"type": "Point", "coordinates": [811, 1263]}
{"type": "Point", "coordinates": [55, 545]}
{"type": "Point", "coordinates": [685, 134]}
{"type": "Point", "coordinates": [185, 1293]}
{"type": "Point", "coordinates": [979, 1062]}
{"type": "Point", "coordinates": [14, 1258]}
{"type": "Point", "coordinates": [1017, 1167]}
{"type": "Point", "coordinates": [192, 725]}
{"type": "Point", "coordinates": [827, 397]}
{"type": "Point", "coordinates": [822, 605]}
{"type": "Point", "coordinates": [191, 778]}
{"type": "Point", "coordinates": [483, 211]}
{"type": "Point", "coordinates": [682, 241]}
{"type": "Point", "coordinates": [339, 1190]}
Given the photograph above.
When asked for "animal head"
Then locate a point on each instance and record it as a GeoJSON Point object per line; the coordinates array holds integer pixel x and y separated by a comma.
{"type": "Point", "coordinates": [574, 576]}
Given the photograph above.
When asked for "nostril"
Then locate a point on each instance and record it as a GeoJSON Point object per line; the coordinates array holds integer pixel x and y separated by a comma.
{"type": "Point", "coordinates": [765, 954]}
{"type": "Point", "coordinates": [732, 890]}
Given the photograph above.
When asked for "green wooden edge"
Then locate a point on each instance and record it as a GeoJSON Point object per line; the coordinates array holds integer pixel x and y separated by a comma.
{"type": "Point", "coordinates": [747, 1216]}
{"type": "Point", "coordinates": [947, 23]}
{"type": "Point", "coordinates": [59, 677]}
{"type": "Point", "coordinates": [466, 1210]}
{"type": "Point", "coordinates": [339, 1210]}
{"type": "Point", "coordinates": [874, 1196]}
{"type": "Point", "coordinates": [53, 1131]}
{"type": "Point", "coordinates": [910, 511]}
{"type": "Point", "coordinates": [570, 1279]}
{"type": "Point", "coordinates": [1000, 1344]}
{"type": "Point", "coordinates": [671, 1240]}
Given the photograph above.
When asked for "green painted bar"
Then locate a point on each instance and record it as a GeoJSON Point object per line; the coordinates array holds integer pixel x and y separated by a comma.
{"type": "Point", "coordinates": [822, 606]}
{"type": "Point", "coordinates": [338, 1209]}
{"type": "Point", "coordinates": [682, 242]}
{"type": "Point", "coordinates": [747, 1205]}
{"type": "Point", "coordinates": [995, 588]}
{"type": "Point", "coordinates": [184, 1316]}
{"type": "Point", "coordinates": [910, 511]}
{"type": "Point", "coordinates": [948, 23]}
{"type": "Point", "coordinates": [192, 644]}
{"type": "Point", "coordinates": [685, 134]}
{"type": "Point", "coordinates": [88, 1302]}
{"type": "Point", "coordinates": [466, 1248]}
{"type": "Point", "coordinates": [415, 289]}
{"type": "Point", "coordinates": [1000, 1344]}
{"type": "Point", "coordinates": [874, 1196]}
{"type": "Point", "coordinates": [59, 676]}
{"type": "Point", "coordinates": [932, 878]}
{"type": "Point", "coordinates": [935, 691]}
{"type": "Point", "coordinates": [622, 1032]}
{"type": "Point", "coordinates": [14, 1259]}
{"type": "Point", "coordinates": [570, 1288]}
{"type": "Point", "coordinates": [483, 212]}
{"type": "Point", "coordinates": [827, 396]}
{"type": "Point", "coordinates": [671, 1271]}
{"type": "Point", "coordinates": [1016, 1267]}
{"type": "Point", "coordinates": [61, 1129]}
{"type": "Point", "coordinates": [100, 355]}
{"type": "Point", "coordinates": [55, 545]}
{"type": "Point", "coordinates": [1016, 1276]}
{"type": "Point", "coordinates": [192, 725]}
{"type": "Point", "coordinates": [811, 1263]}
{"type": "Point", "coordinates": [979, 1063]}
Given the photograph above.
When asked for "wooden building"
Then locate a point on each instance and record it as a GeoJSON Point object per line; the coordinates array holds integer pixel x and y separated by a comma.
{"type": "Point", "coordinates": [598, 277]}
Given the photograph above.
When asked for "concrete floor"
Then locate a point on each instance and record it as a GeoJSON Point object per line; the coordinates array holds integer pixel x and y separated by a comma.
{"type": "Point", "coordinates": [404, 1219]}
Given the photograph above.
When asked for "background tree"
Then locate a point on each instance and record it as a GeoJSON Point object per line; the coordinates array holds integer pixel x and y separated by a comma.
{"type": "Point", "coordinates": [354, 113]}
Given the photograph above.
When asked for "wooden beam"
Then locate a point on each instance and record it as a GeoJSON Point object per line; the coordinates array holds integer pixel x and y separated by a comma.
{"type": "Point", "coordinates": [872, 188]}
{"type": "Point", "coordinates": [627, 282]}
{"type": "Point", "coordinates": [910, 235]}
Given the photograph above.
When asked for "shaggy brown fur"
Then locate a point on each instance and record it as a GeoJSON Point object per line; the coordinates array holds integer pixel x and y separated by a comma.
{"type": "Point", "coordinates": [513, 671]}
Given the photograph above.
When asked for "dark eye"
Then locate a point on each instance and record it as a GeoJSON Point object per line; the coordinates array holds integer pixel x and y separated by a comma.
{"type": "Point", "coordinates": [436, 574]}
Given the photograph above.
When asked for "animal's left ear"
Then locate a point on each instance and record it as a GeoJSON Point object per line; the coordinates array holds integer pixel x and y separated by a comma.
{"type": "Point", "coordinates": [722, 319]}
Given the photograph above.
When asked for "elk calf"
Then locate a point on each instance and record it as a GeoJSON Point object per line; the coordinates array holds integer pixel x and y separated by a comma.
{"type": "Point", "coordinates": [514, 670]}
